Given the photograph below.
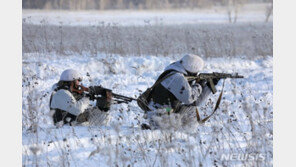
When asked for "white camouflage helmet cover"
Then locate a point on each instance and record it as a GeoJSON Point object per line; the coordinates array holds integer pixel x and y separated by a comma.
{"type": "Point", "coordinates": [192, 63]}
{"type": "Point", "coordinates": [70, 75]}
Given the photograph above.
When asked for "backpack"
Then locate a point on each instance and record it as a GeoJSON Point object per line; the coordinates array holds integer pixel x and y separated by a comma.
{"type": "Point", "coordinates": [144, 99]}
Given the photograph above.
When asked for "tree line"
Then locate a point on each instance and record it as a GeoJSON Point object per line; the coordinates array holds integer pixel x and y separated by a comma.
{"type": "Point", "coordinates": [120, 4]}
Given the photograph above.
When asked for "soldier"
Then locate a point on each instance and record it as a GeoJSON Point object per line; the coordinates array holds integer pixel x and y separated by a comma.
{"type": "Point", "coordinates": [173, 93]}
{"type": "Point", "coordinates": [69, 101]}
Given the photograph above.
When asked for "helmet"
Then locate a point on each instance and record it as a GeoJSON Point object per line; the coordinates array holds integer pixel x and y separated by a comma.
{"type": "Point", "coordinates": [192, 63]}
{"type": "Point", "coordinates": [70, 75]}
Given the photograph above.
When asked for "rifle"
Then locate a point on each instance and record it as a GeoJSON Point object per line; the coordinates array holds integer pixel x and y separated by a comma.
{"type": "Point", "coordinates": [105, 96]}
{"type": "Point", "coordinates": [122, 99]}
{"type": "Point", "coordinates": [210, 76]}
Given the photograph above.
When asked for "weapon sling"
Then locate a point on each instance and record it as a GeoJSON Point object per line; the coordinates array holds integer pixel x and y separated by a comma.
{"type": "Point", "coordinates": [215, 109]}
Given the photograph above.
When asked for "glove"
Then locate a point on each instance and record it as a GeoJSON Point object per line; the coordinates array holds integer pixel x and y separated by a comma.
{"type": "Point", "coordinates": [215, 81]}
{"type": "Point", "coordinates": [103, 102]}
{"type": "Point", "coordinates": [203, 83]}
{"type": "Point", "coordinates": [91, 92]}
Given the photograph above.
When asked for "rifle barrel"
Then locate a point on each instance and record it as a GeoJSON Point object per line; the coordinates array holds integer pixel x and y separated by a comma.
{"type": "Point", "coordinates": [214, 75]}
{"type": "Point", "coordinates": [122, 97]}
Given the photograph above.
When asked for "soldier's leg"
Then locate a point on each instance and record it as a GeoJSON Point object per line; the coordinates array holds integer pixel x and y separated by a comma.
{"type": "Point", "coordinates": [57, 116]}
{"type": "Point", "coordinates": [187, 115]}
{"type": "Point", "coordinates": [98, 117]}
{"type": "Point", "coordinates": [64, 116]}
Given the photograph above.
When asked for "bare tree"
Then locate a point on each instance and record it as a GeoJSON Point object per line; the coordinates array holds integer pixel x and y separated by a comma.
{"type": "Point", "coordinates": [268, 11]}
{"type": "Point", "coordinates": [119, 4]}
{"type": "Point", "coordinates": [102, 4]}
{"type": "Point", "coordinates": [233, 7]}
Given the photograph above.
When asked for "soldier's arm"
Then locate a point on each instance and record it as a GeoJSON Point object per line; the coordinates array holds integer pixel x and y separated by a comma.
{"type": "Point", "coordinates": [206, 91]}
{"type": "Point", "coordinates": [64, 100]}
{"type": "Point", "coordinates": [180, 88]}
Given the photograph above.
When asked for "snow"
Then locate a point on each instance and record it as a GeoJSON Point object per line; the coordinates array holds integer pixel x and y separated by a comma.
{"type": "Point", "coordinates": [140, 18]}
{"type": "Point", "coordinates": [242, 124]}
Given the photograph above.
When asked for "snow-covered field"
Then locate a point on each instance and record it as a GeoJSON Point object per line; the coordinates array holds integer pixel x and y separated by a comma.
{"type": "Point", "coordinates": [136, 18]}
{"type": "Point", "coordinates": [126, 51]}
{"type": "Point", "coordinates": [246, 14]}
{"type": "Point", "coordinates": [209, 40]}
{"type": "Point", "coordinates": [242, 128]}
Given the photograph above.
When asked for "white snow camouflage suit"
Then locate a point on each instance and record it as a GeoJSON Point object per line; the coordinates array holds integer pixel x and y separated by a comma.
{"type": "Point", "coordinates": [70, 108]}
{"type": "Point", "coordinates": [178, 90]}
{"type": "Point", "coordinates": [175, 94]}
